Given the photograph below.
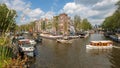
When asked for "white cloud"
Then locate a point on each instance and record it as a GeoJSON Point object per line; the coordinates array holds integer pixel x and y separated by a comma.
{"type": "Point", "coordinates": [105, 2]}
{"type": "Point", "coordinates": [18, 5]}
{"type": "Point", "coordinates": [111, 11]}
{"type": "Point", "coordinates": [104, 5]}
{"type": "Point", "coordinates": [25, 14]}
{"type": "Point", "coordinates": [87, 2]}
{"type": "Point", "coordinates": [95, 12]}
{"type": "Point", "coordinates": [33, 12]}
{"type": "Point", "coordinates": [78, 9]}
{"type": "Point", "coordinates": [48, 15]}
{"type": "Point", "coordinates": [96, 21]}
{"type": "Point", "coordinates": [71, 8]}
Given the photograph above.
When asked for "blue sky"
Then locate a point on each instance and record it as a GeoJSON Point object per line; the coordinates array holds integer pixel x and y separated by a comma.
{"type": "Point", "coordinates": [49, 5]}
{"type": "Point", "coordinates": [29, 10]}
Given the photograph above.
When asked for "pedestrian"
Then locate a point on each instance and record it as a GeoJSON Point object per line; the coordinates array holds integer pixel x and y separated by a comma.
{"type": "Point", "coordinates": [13, 40]}
{"type": "Point", "coordinates": [35, 52]}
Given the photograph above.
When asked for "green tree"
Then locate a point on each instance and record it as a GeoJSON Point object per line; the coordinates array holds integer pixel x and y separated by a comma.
{"type": "Point", "coordinates": [32, 25]}
{"type": "Point", "coordinates": [27, 27]}
{"type": "Point", "coordinates": [49, 25]}
{"type": "Point", "coordinates": [85, 25]}
{"type": "Point", "coordinates": [118, 4]}
{"type": "Point", "coordinates": [117, 16]}
{"type": "Point", "coordinates": [112, 22]}
{"type": "Point", "coordinates": [55, 24]}
{"type": "Point", "coordinates": [7, 19]}
{"type": "Point", "coordinates": [77, 23]}
{"type": "Point", "coordinates": [107, 24]}
{"type": "Point", "coordinates": [7, 23]}
{"type": "Point", "coordinates": [43, 24]}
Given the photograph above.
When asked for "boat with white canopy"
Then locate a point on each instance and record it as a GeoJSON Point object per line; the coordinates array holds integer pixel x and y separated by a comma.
{"type": "Point", "coordinates": [100, 44]}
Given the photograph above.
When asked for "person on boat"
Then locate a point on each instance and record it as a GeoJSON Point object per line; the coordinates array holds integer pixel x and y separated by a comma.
{"type": "Point", "coordinates": [13, 40]}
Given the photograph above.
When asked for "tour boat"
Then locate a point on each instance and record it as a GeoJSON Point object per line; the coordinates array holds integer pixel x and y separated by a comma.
{"type": "Point", "coordinates": [100, 45]}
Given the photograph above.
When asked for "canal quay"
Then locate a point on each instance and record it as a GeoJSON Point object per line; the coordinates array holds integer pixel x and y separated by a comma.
{"type": "Point", "coordinates": [56, 55]}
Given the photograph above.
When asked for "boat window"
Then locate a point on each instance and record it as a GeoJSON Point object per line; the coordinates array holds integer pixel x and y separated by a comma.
{"type": "Point", "coordinates": [94, 44]}
{"type": "Point", "coordinates": [105, 44]}
{"type": "Point", "coordinates": [110, 43]}
{"type": "Point", "coordinates": [100, 44]}
{"type": "Point", "coordinates": [91, 43]}
{"type": "Point", "coordinates": [97, 44]}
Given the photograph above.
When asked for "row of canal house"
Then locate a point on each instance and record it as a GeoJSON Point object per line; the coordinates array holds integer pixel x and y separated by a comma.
{"type": "Point", "coordinates": [63, 22]}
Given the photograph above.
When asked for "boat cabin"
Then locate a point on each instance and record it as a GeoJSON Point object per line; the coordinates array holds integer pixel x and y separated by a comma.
{"type": "Point", "coordinates": [101, 43]}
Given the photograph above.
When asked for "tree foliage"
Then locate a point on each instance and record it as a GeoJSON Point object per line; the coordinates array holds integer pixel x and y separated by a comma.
{"type": "Point", "coordinates": [7, 18]}
{"type": "Point", "coordinates": [86, 25]}
{"type": "Point", "coordinates": [81, 24]}
{"type": "Point", "coordinates": [113, 22]}
{"type": "Point", "coordinates": [27, 27]}
{"type": "Point", "coordinates": [49, 25]}
{"type": "Point", "coordinates": [118, 5]}
{"type": "Point", "coordinates": [77, 23]}
{"type": "Point", "coordinates": [55, 23]}
{"type": "Point", "coordinates": [43, 24]}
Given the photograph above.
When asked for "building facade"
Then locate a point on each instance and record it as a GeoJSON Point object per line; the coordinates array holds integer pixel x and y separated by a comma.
{"type": "Point", "coordinates": [59, 25]}
{"type": "Point", "coordinates": [64, 24]}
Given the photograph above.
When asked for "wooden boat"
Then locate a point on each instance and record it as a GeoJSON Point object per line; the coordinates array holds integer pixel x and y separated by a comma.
{"type": "Point", "coordinates": [100, 45]}
{"type": "Point", "coordinates": [64, 40]}
{"type": "Point", "coordinates": [84, 35]}
{"type": "Point", "coordinates": [115, 38]}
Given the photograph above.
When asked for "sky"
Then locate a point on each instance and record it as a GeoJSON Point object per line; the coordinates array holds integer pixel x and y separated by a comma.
{"type": "Point", "coordinates": [29, 10]}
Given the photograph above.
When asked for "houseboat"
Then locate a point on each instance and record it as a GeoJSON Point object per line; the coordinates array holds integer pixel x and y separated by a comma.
{"type": "Point", "coordinates": [100, 44]}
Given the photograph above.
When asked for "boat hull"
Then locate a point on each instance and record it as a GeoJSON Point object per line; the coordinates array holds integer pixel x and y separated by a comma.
{"type": "Point", "coordinates": [64, 41]}
{"type": "Point", "coordinates": [98, 47]}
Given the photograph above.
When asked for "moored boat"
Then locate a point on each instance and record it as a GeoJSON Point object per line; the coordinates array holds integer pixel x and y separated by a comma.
{"type": "Point", "coordinates": [68, 41]}
{"type": "Point", "coordinates": [84, 35]}
{"type": "Point", "coordinates": [100, 45]}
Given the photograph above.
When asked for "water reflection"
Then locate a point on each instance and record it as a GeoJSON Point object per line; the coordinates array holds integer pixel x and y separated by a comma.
{"type": "Point", "coordinates": [98, 51]}
{"type": "Point", "coordinates": [114, 57]}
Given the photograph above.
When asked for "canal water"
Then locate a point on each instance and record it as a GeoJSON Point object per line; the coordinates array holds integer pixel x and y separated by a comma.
{"type": "Point", "coordinates": [56, 55]}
